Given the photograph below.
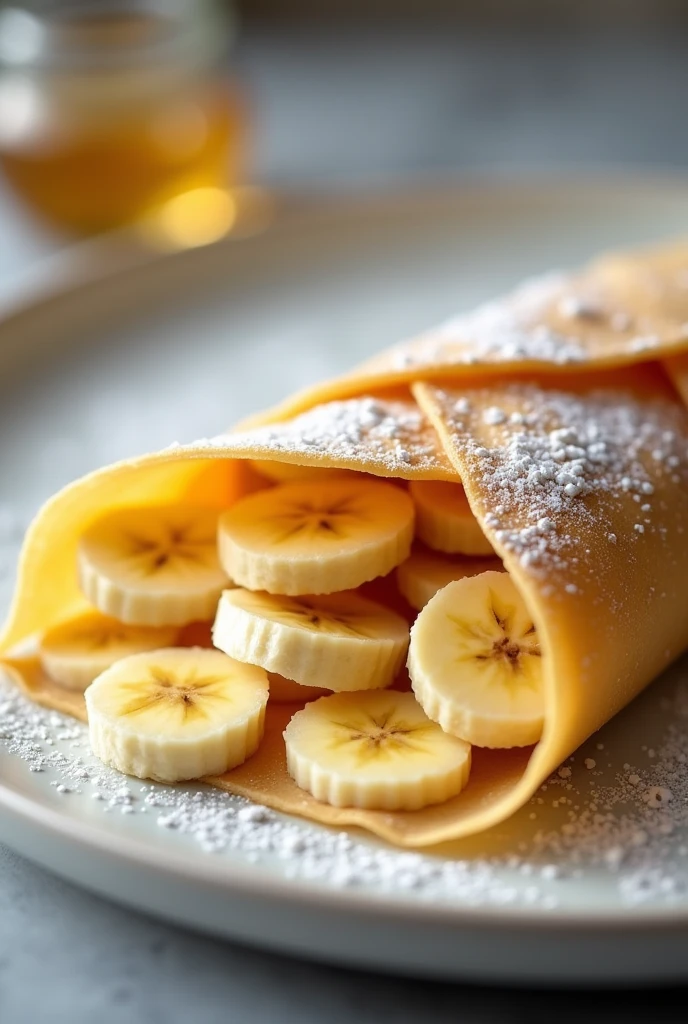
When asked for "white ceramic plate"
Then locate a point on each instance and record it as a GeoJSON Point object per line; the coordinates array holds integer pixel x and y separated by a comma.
{"type": "Point", "coordinates": [107, 354]}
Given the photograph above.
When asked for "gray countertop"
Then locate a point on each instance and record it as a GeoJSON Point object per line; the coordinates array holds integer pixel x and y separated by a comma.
{"type": "Point", "coordinates": [68, 958]}
{"type": "Point", "coordinates": [343, 110]}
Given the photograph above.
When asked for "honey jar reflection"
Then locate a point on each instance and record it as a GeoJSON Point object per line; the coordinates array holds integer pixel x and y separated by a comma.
{"type": "Point", "coordinates": [108, 111]}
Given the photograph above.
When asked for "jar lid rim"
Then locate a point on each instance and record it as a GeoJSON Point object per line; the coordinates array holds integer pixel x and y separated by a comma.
{"type": "Point", "coordinates": [100, 35]}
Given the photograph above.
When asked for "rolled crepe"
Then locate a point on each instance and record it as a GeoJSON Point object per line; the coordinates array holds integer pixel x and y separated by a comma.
{"type": "Point", "coordinates": [576, 471]}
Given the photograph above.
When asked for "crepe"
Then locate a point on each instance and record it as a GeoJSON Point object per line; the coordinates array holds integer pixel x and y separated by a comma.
{"type": "Point", "coordinates": [590, 365]}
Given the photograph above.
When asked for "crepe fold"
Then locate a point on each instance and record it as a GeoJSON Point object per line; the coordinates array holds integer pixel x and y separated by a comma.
{"type": "Point", "coordinates": [575, 468]}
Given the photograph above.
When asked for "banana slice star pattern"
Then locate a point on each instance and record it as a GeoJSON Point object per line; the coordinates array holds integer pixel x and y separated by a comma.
{"type": "Point", "coordinates": [153, 566]}
{"type": "Point", "coordinates": [376, 750]}
{"type": "Point", "coordinates": [425, 572]}
{"type": "Point", "coordinates": [315, 538]}
{"type": "Point", "coordinates": [341, 640]}
{"type": "Point", "coordinates": [286, 691]}
{"type": "Point", "coordinates": [475, 664]}
{"type": "Point", "coordinates": [444, 520]}
{"type": "Point", "coordinates": [177, 714]}
{"type": "Point", "coordinates": [75, 652]}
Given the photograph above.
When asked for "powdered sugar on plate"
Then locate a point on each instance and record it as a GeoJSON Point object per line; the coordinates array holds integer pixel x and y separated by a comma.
{"type": "Point", "coordinates": [631, 817]}
{"type": "Point", "coordinates": [220, 824]}
{"type": "Point", "coordinates": [620, 818]}
{"type": "Point", "coordinates": [373, 434]}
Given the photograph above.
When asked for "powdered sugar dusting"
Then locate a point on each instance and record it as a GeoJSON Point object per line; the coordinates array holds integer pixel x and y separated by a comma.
{"type": "Point", "coordinates": [507, 330]}
{"type": "Point", "coordinates": [619, 816]}
{"type": "Point", "coordinates": [631, 817]}
{"type": "Point", "coordinates": [554, 465]}
{"type": "Point", "coordinates": [557, 319]}
{"type": "Point", "coordinates": [371, 434]}
{"type": "Point", "coordinates": [218, 823]}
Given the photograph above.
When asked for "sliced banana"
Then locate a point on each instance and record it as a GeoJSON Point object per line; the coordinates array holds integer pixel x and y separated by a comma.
{"type": "Point", "coordinates": [444, 520]}
{"type": "Point", "coordinates": [425, 572]}
{"type": "Point", "coordinates": [153, 566]}
{"type": "Point", "coordinates": [376, 750]}
{"type": "Point", "coordinates": [178, 713]}
{"type": "Point", "coordinates": [290, 472]}
{"type": "Point", "coordinates": [75, 652]}
{"type": "Point", "coordinates": [286, 691]}
{"type": "Point", "coordinates": [316, 538]}
{"type": "Point", "coordinates": [475, 664]}
{"type": "Point", "coordinates": [339, 641]}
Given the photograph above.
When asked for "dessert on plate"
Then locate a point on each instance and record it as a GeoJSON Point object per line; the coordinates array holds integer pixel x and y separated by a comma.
{"type": "Point", "coordinates": [400, 599]}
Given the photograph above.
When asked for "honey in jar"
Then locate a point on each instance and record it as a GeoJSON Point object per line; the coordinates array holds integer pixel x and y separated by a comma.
{"type": "Point", "coordinates": [108, 110]}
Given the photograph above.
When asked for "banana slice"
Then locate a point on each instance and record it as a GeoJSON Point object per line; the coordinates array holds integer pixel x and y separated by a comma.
{"type": "Point", "coordinates": [425, 572]}
{"type": "Point", "coordinates": [315, 538]}
{"type": "Point", "coordinates": [341, 641]}
{"type": "Point", "coordinates": [475, 664]}
{"type": "Point", "coordinates": [178, 713]}
{"type": "Point", "coordinates": [444, 520]}
{"type": "Point", "coordinates": [286, 691]}
{"type": "Point", "coordinates": [75, 652]}
{"type": "Point", "coordinates": [153, 566]}
{"type": "Point", "coordinates": [376, 750]}
{"type": "Point", "coordinates": [289, 472]}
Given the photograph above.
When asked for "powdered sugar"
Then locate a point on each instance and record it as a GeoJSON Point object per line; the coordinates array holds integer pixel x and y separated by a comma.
{"type": "Point", "coordinates": [632, 817]}
{"type": "Point", "coordinates": [381, 436]}
{"type": "Point", "coordinates": [575, 308]}
{"type": "Point", "coordinates": [557, 470]}
{"type": "Point", "coordinates": [506, 330]}
{"type": "Point", "coordinates": [556, 319]}
{"type": "Point", "coordinates": [220, 824]}
{"type": "Point", "coordinates": [626, 820]}
{"type": "Point", "coordinates": [494, 416]}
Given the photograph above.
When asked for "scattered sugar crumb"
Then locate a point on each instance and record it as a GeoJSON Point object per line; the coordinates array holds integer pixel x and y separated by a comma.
{"type": "Point", "coordinates": [494, 416]}
{"type": "Point", "coordinates": [576, 308]}
{"type": "Point", "coordinates": [657, 796]}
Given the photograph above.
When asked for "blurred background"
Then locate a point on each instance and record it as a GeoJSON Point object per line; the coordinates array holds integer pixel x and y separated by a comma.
{"type": "Point", "coordinates": [163, 111]}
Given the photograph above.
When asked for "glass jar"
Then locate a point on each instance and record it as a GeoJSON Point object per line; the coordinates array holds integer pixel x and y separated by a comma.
{"type": "Point", "coordinates": [112, 107]}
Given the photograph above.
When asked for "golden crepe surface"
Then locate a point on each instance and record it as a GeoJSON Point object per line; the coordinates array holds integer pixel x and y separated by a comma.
{"type": "Point", "coordinates": [578, 477]}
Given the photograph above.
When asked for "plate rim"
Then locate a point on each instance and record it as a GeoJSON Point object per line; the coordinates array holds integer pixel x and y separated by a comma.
{"type": "Point", "coordinates": [63, 277]}
{"type": "Point", "coordinates": [89, 261]}
{"type": "Point", "coordinates": [253, 881]}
